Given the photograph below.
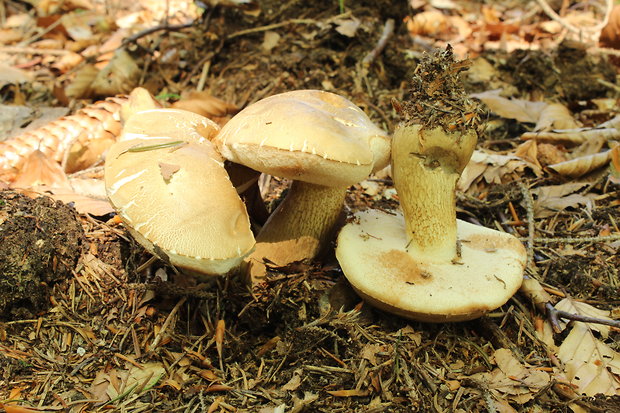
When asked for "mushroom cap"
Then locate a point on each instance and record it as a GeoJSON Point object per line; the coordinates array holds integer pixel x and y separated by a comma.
{"type": "Point", "coordinates": [176, 199]}
{"type": "Point", "coordinates": [169, 124]}
{"type": "Point", "coordinates": [308, 135]}
{"type": "Point", "coordinates": [372, 253]}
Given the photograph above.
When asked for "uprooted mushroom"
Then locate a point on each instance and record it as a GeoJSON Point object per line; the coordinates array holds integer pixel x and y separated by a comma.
{"type": "Point", "coordinates": [169, 186]}
{"type": "Point", "coordinates": [423, 263]}
{"type": "Point", "coordinates": [321, 141]}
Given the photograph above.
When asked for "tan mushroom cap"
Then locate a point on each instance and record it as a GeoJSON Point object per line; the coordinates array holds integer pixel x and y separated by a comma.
{"type": "Point", "coordinates": [309, 135]}
{"type": "Point", "coordinates": [178, 202]}
{"type": "Point", "coordinates": [372, 253]}
{"type": "Point", "coordinates": [169, 124]}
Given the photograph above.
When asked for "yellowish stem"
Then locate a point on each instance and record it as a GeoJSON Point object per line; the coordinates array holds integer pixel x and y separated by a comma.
{"type": "Point", "coordinates": [426, 165]}
{"type": "Point", "coordinates": [299, 228]}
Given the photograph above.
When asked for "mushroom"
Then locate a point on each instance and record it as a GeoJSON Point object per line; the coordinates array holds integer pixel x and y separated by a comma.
{"type": "Point", "coordinates": [169, 187]}
{"type": "Point", "coordinates": [321, 141]}
{"type": "Point", "coordinates": [182, 124]}
{"type": "Point", "coordinates": [423, 263]}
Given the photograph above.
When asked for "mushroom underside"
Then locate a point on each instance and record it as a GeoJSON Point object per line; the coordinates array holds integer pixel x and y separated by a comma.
{"type": "Point", "coordinates": [372, 251]}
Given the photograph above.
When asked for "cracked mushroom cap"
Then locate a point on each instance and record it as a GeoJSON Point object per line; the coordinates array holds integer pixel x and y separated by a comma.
{"type": "Point", "coordinates": [309, 135]}
{"type": "Point", "coordinates": [176, 199]}
{"type": "Point", "coordinates": [372, 251]}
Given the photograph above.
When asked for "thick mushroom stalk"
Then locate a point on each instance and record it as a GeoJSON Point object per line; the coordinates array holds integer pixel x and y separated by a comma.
{"type": "Point", "coordinates": [424, 264]}
{"type": "Point", "coordinates": [426, 164]}
{"type": "Point", "coordinates": [298, 228]}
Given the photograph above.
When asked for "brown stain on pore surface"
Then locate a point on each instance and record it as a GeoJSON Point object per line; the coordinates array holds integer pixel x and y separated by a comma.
{"type": "Point", "coordinates": [489, 243]}
{"type": "Point", "coordinates": [403, 268]}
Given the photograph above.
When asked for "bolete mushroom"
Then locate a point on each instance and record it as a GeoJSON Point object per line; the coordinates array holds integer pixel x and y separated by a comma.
{"type": "Point", "coordinates": [423, 263]}
{"type": "Point", "coordinates": [321, 141]}
{"type": "Point", "coordinates": [173, 194]}
{"type": "Point", "coordinates": [189, 126]}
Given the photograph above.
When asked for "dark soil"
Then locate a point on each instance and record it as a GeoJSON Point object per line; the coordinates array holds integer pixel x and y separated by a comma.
{"type": "Point", "coordinates": [40, 243]}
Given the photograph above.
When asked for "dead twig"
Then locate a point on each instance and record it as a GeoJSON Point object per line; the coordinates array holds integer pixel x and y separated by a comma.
{"type": "Point", "coordinates": [609, 4]}
{"type": "Point", "coordinates": [388, 31]}
{"type": "Point", "coordinates": [146, 32]}
{"type": "Point", "coordinates": [555, 315]}
{"type": "Point", "coordinates": [167, 323]}
{"type": "Point", "coordinates": [529, 206]}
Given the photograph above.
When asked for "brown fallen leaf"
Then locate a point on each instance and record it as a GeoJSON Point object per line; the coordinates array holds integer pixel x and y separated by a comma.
{"type": "Point", "coordinates": [493, 168]}
{"type": "Point", "coordinates": [582, 165]}
{"type": "Point", "coordinates": [589, 364]}
{"type": "Point", "coordinates": [512, 380]}
{"type": "Point", "coordinates": [119, 76]}
{"type": "Point", "coordinates": [553, 198]}
{"type": "Point", "coordinates": [555, 116]}
{"type": "Point", "coordinates": [207, 105]}
{"type": "Point", "coordinates": [427, 23]}
{"type": "Point", "coordinates": [38, 169]}
{"type": "Point", "coordinates": [521, 110]}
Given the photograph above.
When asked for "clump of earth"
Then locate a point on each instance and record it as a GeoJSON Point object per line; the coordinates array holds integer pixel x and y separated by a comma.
{"type": "Point", "coordinates": [40, 244]}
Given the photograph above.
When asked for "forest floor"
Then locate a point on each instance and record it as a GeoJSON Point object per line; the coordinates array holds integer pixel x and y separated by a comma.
{"type": "Point", "coordinates": [90, 322]}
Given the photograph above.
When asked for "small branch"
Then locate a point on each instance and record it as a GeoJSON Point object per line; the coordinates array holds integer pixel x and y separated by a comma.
{"type": "Point", "coordinates": [270, 27]}
{"type": "Point", "coordinates": [577, 240]}
{"type": "Point", "coordinates": [166, 324]}
{"type": "Point", "coordinates": [388, 31]}
{"type": "Point", "coordinates": [529, 206]}
{"type": "Point", "coordinates": [556, 17]}
{"type": "Point", "coordinates": [555, 315]}
{"type": "Point", "coordinates": [146, 32]}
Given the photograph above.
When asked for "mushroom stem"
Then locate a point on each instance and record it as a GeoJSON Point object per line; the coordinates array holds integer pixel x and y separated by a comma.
{"type": "Point", "coordinates": [299, 226]}
{"type": "Point", "coordinates": [426, 164]}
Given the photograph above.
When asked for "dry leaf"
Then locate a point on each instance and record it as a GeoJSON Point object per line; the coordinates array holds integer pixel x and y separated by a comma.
{"type": "Point", "coordinates": [610, 35]}
{"type": "Point", "coordinates": [11, 408]}
{"type": "Point", "coordinates": [549, 154]}
{"type": "Point", "coordinates": [11, 75]}
{"type": "Point", "coordinates": [528, 151]}
{"type": "Point", "coordinates": [38, 169]}
{"type": "Point", "coordinates": [80, 85]}
{"type": "Point", "coordinates": [207, 105]}
{"type": "Point", "coordinates": [347, 27]}
{"type": "Point", "coordinates": [87, 196]}
{"type": "Point", "coordinates": [589, 364]}
{"type": "Point", "coordinates": [119, 76]}
{"type": "Point", "coordinates": [521, 110]}
{"type": "Point", "coordinates": [554, 198]}
{"type": "Point", "coordinates": [427, 23]}
{"type": "Point", "coordinates": [575, 307]}
{"type": "Point", "coordinates": [511, 379]}
{"type": "Point", "coordinates": [294, 382]}
{"type": "Point", "coordinates": [575, 136]}
{"type": "Point", "coordinates": [220, 330]}
{"type": "Point", "coordinates": [492, 168]}
{"type": "Point", "coordinates": [555, 116]}
{"type": "Point", "coordinates": [369, 351]}
{"type": "Point", "coordinates": [582, 165]}
{"type": "Point", "coordinates": [300, 404]}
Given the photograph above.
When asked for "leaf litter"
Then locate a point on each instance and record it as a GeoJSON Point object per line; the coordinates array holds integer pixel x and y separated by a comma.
{"type": "Point", "coordinates": [126, 332]}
